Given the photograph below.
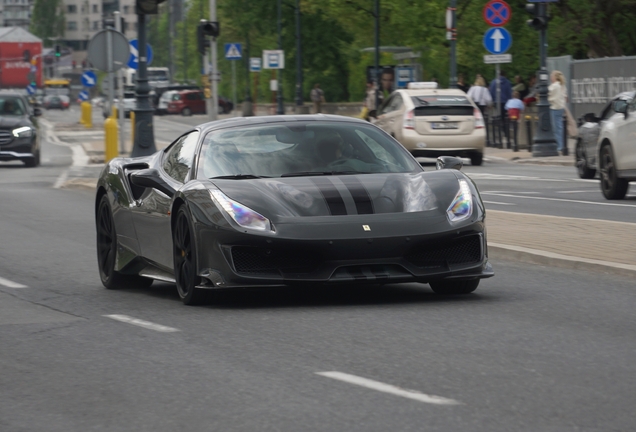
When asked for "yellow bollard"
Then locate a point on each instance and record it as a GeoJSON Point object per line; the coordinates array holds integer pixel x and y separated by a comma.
{"type": "Point", "coordinates": [110, 136]}
{"type": "Point", "coordinates": [87, 114]}
{"type": "Point", "coordinates": [132, 129]}
{"type": "Point", "coordinates": [113, 112]}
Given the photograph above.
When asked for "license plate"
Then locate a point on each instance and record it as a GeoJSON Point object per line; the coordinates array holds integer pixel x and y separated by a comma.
{"type": "Point", "coordinates": [447, 125]}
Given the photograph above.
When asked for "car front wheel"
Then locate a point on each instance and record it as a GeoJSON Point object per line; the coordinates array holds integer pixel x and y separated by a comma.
{"type": "Point", "coordinates": [613, 187]}
{"type": "Point", "coordinates": [585, 172]}
{"type": "Point", "coordinates": [454, 287]}
{"type": "Point", "coordinates": [186, 112]}
{"type": "Point", "coordinates": [185, 260]}
{"type": "Point", "coordinates": [476, 159]}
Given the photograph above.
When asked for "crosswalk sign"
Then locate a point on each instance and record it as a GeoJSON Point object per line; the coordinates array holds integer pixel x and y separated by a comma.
{"type": "Point", "coordinates": [233, 51]}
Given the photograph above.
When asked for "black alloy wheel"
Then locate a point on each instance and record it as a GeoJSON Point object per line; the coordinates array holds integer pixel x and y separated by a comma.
{"type": "Point", "coordinates": [612, 186]}
{"type": "Point", "coordinates": [185, 260]}
{"type": "Point", "coordinates": [454, 287]}
{"type": "Point", "coordinates": [107, 252]}
{"type": "Point", "coordinates": [585, 172]}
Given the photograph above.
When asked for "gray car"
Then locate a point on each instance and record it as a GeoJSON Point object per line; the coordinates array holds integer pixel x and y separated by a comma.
{"type": "Point", "coordinates": [19, 138]}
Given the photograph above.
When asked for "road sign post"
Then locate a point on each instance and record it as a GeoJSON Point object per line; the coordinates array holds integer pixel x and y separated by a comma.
{"type": "Point", "coordinates": [233, 51]}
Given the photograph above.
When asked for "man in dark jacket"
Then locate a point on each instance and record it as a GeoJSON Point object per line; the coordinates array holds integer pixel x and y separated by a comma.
{"type": "Point", "coordinates": [505, 87]}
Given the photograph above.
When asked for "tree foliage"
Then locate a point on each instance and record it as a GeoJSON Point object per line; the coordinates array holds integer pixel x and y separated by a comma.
{"type": "Point", "coordinates": [47, 20]}
{"type": "Point", "coordinates": [334, 32]}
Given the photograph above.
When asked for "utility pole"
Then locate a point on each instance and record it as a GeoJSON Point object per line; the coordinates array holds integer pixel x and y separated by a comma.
{"type": "Point", "coordinates": [279, 95]}
{"type": "Point", "coordinates": [120, 92]}
{"type": "Point", "coordinates": [214, 78]}
{"type": "Point", "coordinates": [299, 61]}
{"type": "Point", "coordinates": [451, 19]}
{"type": "Point", "coordinates": [171, 34]}
{"type": "Point", "coordinates": [378, 73]}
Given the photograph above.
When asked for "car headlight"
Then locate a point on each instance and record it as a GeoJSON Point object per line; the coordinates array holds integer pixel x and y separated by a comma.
{"type": "Point", "coordinates": [462, 206]}
{"type": "Point", "coordinates": [23, 132]}
{"type": "Point", "coordinates": [242, 215]}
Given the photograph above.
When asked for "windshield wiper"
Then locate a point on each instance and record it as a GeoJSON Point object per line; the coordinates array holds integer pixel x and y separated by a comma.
{"type": "Point", "coordinates": [323, 173]}
{"type": "Point", "coordinates": [238, 177]}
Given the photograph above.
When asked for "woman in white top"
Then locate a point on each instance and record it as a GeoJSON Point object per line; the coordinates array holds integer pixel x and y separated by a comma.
{"type": "Point", "coordinates": [557, 95]}
{"type": "Point", "coordinates": [480, 94]}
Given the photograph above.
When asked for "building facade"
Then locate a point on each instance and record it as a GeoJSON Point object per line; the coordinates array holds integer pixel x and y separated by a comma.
{"type": "Point", "coordinates": [84, 18]}
{"type": "Point", "coordinates": [16, 13]}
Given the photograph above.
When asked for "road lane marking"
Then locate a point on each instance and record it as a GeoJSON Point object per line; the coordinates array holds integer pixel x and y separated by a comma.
{"type": "Point", "coordinates": [11, 284]}
{"type": "Point", "coordinates": [573, 192]}
{"type": "Point", "coordinates": [388, 388]}
{"type": "Point", "coordinates": [141, 323]}
{"type": "Point", "coordinates": [559, 199]}
{"type": "Point", "coordinates": [499, 203]}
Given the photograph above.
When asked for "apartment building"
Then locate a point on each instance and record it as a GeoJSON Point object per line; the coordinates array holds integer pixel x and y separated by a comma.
{"type": "Point", "coordinates": [16, 13]}
{"type": "Point", "coordinates": [84, 18]}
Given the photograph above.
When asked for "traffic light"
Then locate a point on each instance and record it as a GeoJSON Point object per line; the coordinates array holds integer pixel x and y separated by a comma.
{"type": "Point", "coordinates": [148, 7]}
{"type": "Point", "coordinates": [205, 29]}
{"type": "Point", "coordinates": [539, 11]}
{"type": "Point", "coordinates": [57, 51]}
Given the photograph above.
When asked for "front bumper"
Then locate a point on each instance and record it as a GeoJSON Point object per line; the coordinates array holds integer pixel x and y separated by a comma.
{"type": "Point", "coordinates": [17, 149]}
{"type": "Point", "coordinates": [232, 259]}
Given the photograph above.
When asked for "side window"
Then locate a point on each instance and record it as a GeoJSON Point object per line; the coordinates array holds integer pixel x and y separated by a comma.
{"type": "Point", "coordinates": [178, 158]}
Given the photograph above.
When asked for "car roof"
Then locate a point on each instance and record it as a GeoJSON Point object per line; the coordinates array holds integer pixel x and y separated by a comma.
{"type": "Point", "coordinates": [264, 120]}
{"type": "Point", "coordinates": [10, 93]}
{"type": "Point", "coordinates": [432, 92]}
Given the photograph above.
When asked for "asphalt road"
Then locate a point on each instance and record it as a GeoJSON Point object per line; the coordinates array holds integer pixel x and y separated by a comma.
{"type": "Point", "coordinates": [534, 349]}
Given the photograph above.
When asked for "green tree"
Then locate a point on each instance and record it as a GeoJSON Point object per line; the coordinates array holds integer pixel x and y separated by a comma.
{"type": "Point", "coordinates": [48, 21]}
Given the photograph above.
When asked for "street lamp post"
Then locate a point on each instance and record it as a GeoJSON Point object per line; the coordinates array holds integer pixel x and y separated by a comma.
{"type": "Point", "coordinates": [144, 144]}
{"type": "Point", "coordinates": [453, 43]}
{"type": "Point", "coordinates": [299, 61]}
{"type": "Point", "coordinates": [378, 74]}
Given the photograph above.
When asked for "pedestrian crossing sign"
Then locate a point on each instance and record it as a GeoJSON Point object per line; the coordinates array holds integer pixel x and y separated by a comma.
{"type": "Point", "coordinates": [233, 51]}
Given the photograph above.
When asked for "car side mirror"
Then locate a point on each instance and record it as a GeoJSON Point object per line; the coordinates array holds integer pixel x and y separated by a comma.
{"type": "Point", "coordinates": [449, 162]}
{"type": "Point", "coordinates": [150, 178]}
{"type": "Point", "coordinates": [620, 106]}
{"type": "Point", "coordinates": [37, 112]}
{"type": "Point", "coordinates": [591, 118]}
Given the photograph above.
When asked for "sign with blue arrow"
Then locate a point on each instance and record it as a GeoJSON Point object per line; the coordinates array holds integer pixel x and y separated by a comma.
{"type": "Point", "coordinates": [133, 61]}
{"type": "Point", "coordinates": [30, 89]}
{"type": "Point", "coordinates": [83, 95]}
{"type": "Point", "coordinates": [89, 79]}
{"type": "Point", "coordinates": [233, 51]}
{"type": "Point", "coordinates": [497, 40]}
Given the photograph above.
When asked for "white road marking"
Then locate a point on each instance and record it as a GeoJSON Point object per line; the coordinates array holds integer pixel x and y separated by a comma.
{"type": "Point", "coordinates": [573, 192]}
{"type": "Point", "coordinates": [141, 323]}
{"type": "Point", "coordinates": [559, 199]}
{"type": "Point", "coordinates": [489, 176]}
{"type": "Point", "coordinates": [11, 284]}
{"type": "Point", "coordinates": [499, 203]}
{"type": "Point", "coordinates": [388, 388]}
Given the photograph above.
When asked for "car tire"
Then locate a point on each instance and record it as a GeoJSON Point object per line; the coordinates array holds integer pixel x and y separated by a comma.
{"type": "Point", "coordinates": [107, 251]}
{"type": "Point", "coordinates": [454, 287]}
{"type": "Point", "coordinates": [476, 159]}
{"type": "Point", "coordinates": [185, 260]}
{"type": "Point", "coordinates": [186, 112]}
{"type": "Point", "coordinates": [585, 172]}
{"type": "Point", "coordinates": [612, 186]}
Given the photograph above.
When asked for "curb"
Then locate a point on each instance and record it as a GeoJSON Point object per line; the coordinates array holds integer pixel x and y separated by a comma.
{"type": "Point", "coordinates": [535, 256]}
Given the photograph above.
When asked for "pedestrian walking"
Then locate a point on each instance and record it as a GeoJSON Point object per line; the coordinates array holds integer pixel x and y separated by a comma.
{"type": "Point", "coordinates": [505, 88]}
{"type": "Point", "coordinates": [369, 101]}
{"type": "Point", "coordinates": [461, 84]}
{"type": "Point", "coordinates": [317, 97]}
{"type": "Point", "coordinates": [520, 86]}
{"type": "Point", "coordinates": [533, 91]}
{"type": "Point", "coordinates": [557, 96]}
{"type": "Point", "coordinates": [514, 107]}
{"type": "Point", "coordinates": [480, 94]}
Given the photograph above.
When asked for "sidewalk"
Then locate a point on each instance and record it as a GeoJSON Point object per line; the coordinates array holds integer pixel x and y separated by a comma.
{"type": "Point", "coordinates": [524, 156]}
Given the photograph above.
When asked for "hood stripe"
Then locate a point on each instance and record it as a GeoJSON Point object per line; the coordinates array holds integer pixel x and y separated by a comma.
{"type": "Point", "coordinates": [359, 193]}
{"type": "Point", "coordinates": [331, 195]}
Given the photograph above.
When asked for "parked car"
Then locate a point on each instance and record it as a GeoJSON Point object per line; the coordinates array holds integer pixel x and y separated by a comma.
{"type": "Point", "coordinates": [56, 102]}
{"type": "Point", "coordinates": [431, 122]}
{"type": "Point", "coordinates": [606, 145]}
{"type": "Point", "coordinates": [187, 102]}
{"type": "Point", "coordinates": [19, 138]}
{"type": "Point", "coordinates": [165, 99]}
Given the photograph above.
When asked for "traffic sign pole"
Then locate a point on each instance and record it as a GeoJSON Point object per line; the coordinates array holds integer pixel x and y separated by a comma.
{"type": "Point", "coordinates": [144, 144]}
{"type": "Point", "coordinates": [214, 78]}
{"type": "Point", "coordinates": [120, 94]}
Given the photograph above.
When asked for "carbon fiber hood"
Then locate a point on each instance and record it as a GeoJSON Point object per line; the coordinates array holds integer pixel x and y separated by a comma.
{"type": "Point", "coordinates": [345, 195]}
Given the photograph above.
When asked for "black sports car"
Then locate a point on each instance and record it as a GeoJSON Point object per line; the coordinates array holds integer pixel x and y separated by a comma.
{"type": "Point", "coordinates": [288, 200]}
{"type": "Point", "coordinates": [19, 139]}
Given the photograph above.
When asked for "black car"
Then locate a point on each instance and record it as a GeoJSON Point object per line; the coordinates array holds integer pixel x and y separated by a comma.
{"type": "Point", "coordinates": [292, 201]}
{"type": "Point", "coordinates": [19, 138]}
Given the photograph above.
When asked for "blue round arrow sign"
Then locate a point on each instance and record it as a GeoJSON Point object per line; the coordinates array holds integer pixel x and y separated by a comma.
{"type": "Point", "coordinates": [497, 40]}
{"type": "Point", "coordinates": [133, 61]}
{"type": "Point", "coordinates": [83, 95]}
{"type": "Point", "coordinates": [89, 79]}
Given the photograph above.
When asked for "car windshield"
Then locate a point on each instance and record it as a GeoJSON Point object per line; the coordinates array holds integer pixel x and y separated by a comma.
{"type": "Point", "coordinates": [435, 105]}
{"type": "Point", "coordinates": [10, 106]}
{"type": "Point", "coordinates": [302, 148]}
